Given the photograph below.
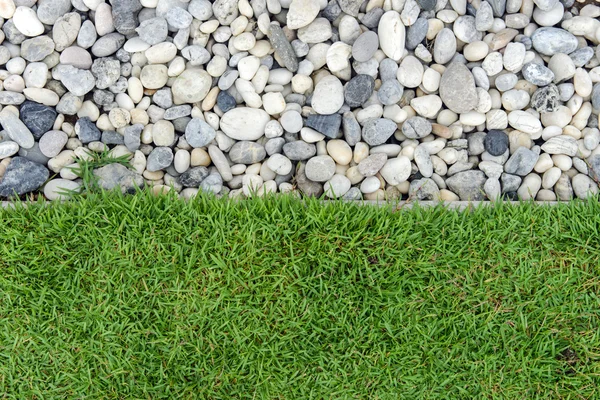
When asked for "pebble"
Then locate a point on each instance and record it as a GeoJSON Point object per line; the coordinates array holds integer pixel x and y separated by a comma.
{"type": "Point", "coordinates": [358, 90]}
{"type": "Point", "coordinates": [550, 40]}
{"type": "Point", "coordinates": [117, 176]}
{"type": "Point", "coordinates": [244, 123]}
{"type": "Point", "coordinates": [328, 96]}
{"type": "Point", "coordinates": [22, 176]}
{"type": "Point", "coordinates": [328, 125]}
{"type": "Point", "coordinates": [320, 168]}
{"type": "Point", "coordinates": [391, 33]}
{"type": "Point", "coordinates": [378, 130]}
{"type": "Point", "coordinates": [457, 89]}
{"type": "Point", "coordinates": [468, 185]}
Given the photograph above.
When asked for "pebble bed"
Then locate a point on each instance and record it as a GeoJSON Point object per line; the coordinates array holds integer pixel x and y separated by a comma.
{"type": "Point", "coordinates": [377, 99]}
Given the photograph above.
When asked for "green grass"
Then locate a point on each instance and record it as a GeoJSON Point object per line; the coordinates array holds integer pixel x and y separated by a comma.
{"type": "Point", "coordinates": [152, 298]}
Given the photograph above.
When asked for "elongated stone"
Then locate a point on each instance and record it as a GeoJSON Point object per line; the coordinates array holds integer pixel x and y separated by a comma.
{"type": "Point", "coordinates": [282, 47]}
{"type": "Point", "coordinates": [17, 131]}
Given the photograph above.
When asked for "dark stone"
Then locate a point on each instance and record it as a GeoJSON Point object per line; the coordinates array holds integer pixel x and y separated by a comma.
{"type": "Point", "coordinates": [193, 177]}
{"type": "Point", "coordinates": [22, 176]}
{"type": "Point", "coordinates": [416, 33]}
{"type": "Point", "coordinates": [299, 150]}
{"type": "Point", "coordinates": [496, 142]}
{"type": "Point", "coordinates": [282, 47]}
{"type": "Point", "coordinates": [37, 117]}
{"type": "Point", "coordinates": [87, 131]}
{"type": "Point", "coordinates": [225, 101]}
{"type": "Point", "coordinates": [546, 99]}
{"type": "Point", "coordinates": [112, 137]}
{"type": "Point", "coordinates": [358, 90]}
{"type": "Point", "coordinates": [426, 5]}
{"type": "Point", "coordinates": [328, 125]}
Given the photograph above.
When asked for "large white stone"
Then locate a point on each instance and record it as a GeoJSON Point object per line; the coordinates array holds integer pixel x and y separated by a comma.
{"type": "Point", "coordinates": [328, 96]}
{"type": "Point", "coordinates": [27, 22]}
{"type": "Point", "coordinates": [392, 34]}
{"type": "Point", "coordinates": [244, 123]}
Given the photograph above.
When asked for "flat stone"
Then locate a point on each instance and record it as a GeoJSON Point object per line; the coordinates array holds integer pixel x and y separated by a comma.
{"type": "Point", "coordinates": [22, 176]}
{"type": "Point", "coordinates": [246, 152]}
{"type": "Point", "coordinates": [65, 30]}
{"type": "Point", "coordinates": [328, 125]}
{"type": "Point", "coordinates": [416, 32]}
{"type": "Point", "coordinates": [521, 162]}
{"type": "Point", "coordinates": [52, 143]}
{"type": "Point", "coordinates": [108, 45]}
{"type": "Point", "coordinates": [537, 74]}
{"type": "Point", "coordinates": [244, 123]}
{"type": "Point", "coordinates": [37, 48]}
{"type": "Point", "coordinates": [299, 150]}
{"type": "Point", "coordinates": [365, 46]}
{"type": "Point", "coordinates": [320, 168]}
{"type": "Point", "coordinates": [378, 130]}
{"type": "Point", "coordinates": [444, 47]}
{"type": "Point", "coordinates": [372, 164]}
{"type": "Point", "coordinates": [549, 41]}
{"type": "Point", "coordinates": [358, 90]}
{"type": "Point", "coordinates": [112, 137]}
{"type": "Point", "coordinates": [8, 149]}
{"type": "Point", "coordinates": [499, 7]}
{"type": "Point", "coordinates": [17, 131]}
{"type": "Point", "coordinates": [561, 144]}
{"type": "Point", "coordinates": [38, 118]}
{"type": "Point", "coordinates": [468, 185]}
{"type": "Point", "coordinates": [457, 89]}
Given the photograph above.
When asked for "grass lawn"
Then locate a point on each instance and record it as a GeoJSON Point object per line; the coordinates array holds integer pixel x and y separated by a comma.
{"type": "Point", "coordinates": [152, 298]}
